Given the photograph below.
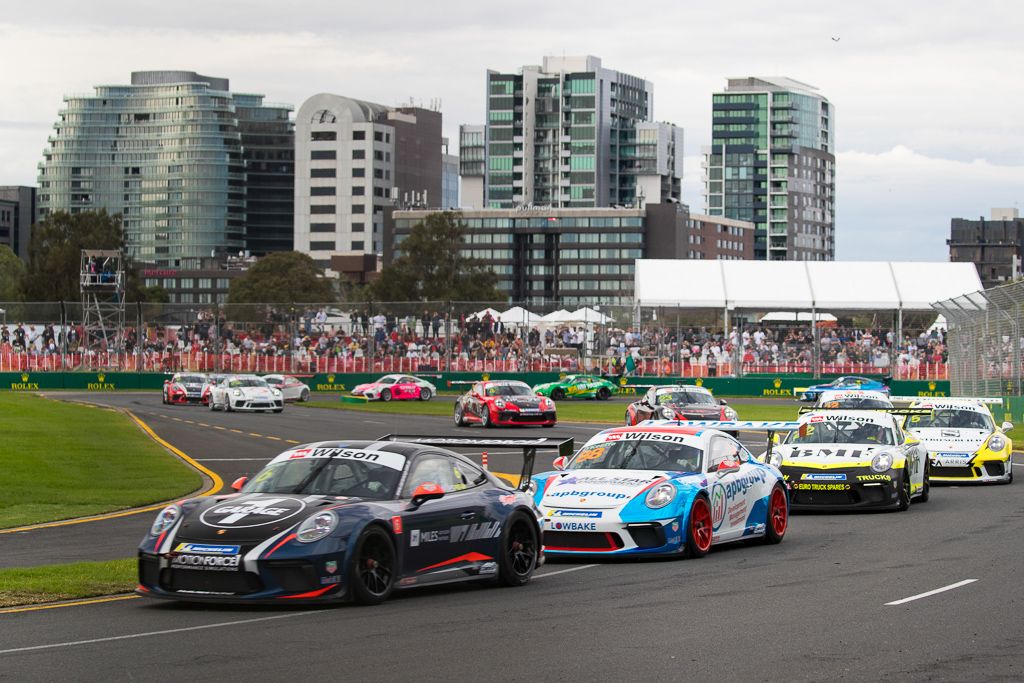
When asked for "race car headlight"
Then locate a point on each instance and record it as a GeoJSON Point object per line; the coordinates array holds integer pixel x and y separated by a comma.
{"type": "Point", "coordinates": [547, 404]}
{"type": "Point", "coordinates": [237, 392]}
{"type": "Point", "coordinates": [316, 527]}
{"type": "Point", "coordinates": [730, 414]}
{"type": "Point", "coordinates": [881, 462]}
{"type": "Point", "coordinates": [668, 413]}
{"type": "Point", "coordinates": [499, 404]}
{"type": "Point", "coordinates": [996, 442]}
{"type": "Point", "coordinates": [660, 496]}
{"type": "Point", "coordinates": [276, 392]}
{"type": "Point", "coordinates": [775, 459]}
{"type": "Point", "coordinates": [165, 520]}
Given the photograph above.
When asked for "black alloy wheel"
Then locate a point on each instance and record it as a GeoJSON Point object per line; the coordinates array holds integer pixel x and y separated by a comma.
{"type": "Point", "coordinates": [372, 574]}
{"type": "Point", "coordinates": [519, 550]}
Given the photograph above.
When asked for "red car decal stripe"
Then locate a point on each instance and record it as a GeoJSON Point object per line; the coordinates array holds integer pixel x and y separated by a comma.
{"type": "Point", "coordinates": [283, 541]}
{"type": "Point", "coordinates": [468, 557]}
{"type": "Point", "coordinates": [311, 594]}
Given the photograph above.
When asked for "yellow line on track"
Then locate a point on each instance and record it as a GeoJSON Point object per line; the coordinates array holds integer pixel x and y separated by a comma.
{"type": "Point", "coordinates": [216, 485]}
{"type": "Point", "coordinates": [291, 441]}
{"type": "Point", "coordinates": [77, 603]}
{"type": "Point", "coordinates": [255, 434]}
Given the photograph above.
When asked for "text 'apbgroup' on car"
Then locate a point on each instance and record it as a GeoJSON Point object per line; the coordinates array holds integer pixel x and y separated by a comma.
{"type": "Point", "coordinates": [503, 403]}
{"type": "Point", "coordinates": [246, 393]}
{"type": "Point", "coordinates": [660, 488]}
{"type": "Point", "coordinates": [964, 444]}
{"type": "Point", "coordinates": [349, 520]}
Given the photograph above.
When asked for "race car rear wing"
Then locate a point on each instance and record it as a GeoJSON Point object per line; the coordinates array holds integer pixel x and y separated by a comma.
{"type": "Point", "coordinates": [947, 399]}
{"type": "Point", "coordinates": [893, 411]}
{"type": "Point", "coordinates": [563, 445]}
{"type": "Point", "coordinates": [734, 426]}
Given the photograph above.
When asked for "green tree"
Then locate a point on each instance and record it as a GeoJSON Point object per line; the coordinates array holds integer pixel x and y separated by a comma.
{"type": "Point", "coordinates": [12, 274]}
{"type": "Point", "coordinates": [55, 251]}
{"type": "Point", "coordinates": [432, 268]}
{"type": "Point", "coordinates": [282, 277]}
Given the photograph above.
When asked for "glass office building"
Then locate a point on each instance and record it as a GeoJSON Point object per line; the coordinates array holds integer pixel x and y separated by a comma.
{"type": "Point", "coordinates": [772, 162]}
{"type": "Point", "coordinates": [166, 152]}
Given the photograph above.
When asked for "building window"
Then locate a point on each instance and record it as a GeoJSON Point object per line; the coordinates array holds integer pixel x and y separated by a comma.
{"type": "Point", "coordinates": [358, 190]}
{"type": "Point", "coordinates": [378, 155]}
{"type": "Point", "coordinates": [321, 246]}
{"type": "Point", "coordinates": [378, 136]}
{"type": "Point", "coordinates": [322, 208]}
{"type": "Point", "coordinates": [358, 172]}
{"type": "Point", "coordinates": [323, 172]}
{"type": "Point", "coordinates": [322, 191]}
{"type": "Point", "coordinates": [358, 227]}
{"type": "Point", "coordinates": [321, 227]}
{"type": "Point", "coordinates": [359, 154]}
{"type": "Point", "coordinates": [359, 135]}
{"type": "Point", "coordinates": [323, 154]}
{"type": "Point", "coordinates": [358, 208]}
{"type": "Point", "coordinates": [358, 245]}
{"type": "Point", "coordinates": [322, 135]}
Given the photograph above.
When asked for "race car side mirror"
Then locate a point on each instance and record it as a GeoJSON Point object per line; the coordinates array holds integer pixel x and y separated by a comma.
{"type": "Point", "coordinates": [426, 491]}
{"type": "Point", "coordinates": [722, 402]}
{"type": "Point", "coordinates": [237, 484]}
{"type": "Point", "coordinates": [1007, 426]}
{"type": "Point", "coordinates": [559, 463]}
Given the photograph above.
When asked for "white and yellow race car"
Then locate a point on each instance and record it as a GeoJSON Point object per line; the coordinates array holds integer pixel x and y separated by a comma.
{"type": "Point", "coordinates": [964, 444]}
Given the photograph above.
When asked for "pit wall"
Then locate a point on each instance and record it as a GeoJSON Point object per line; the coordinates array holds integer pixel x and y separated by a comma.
{"type": "Point", "coordinates": [741, 387]}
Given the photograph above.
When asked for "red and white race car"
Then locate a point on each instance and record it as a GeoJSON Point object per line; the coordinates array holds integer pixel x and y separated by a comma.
{"type": "Point", "coordinates": [503, 403]}
{"type": "Point", "coordinates": [183, 388]}
{"type": "Point", "coordinates": [398, 388]}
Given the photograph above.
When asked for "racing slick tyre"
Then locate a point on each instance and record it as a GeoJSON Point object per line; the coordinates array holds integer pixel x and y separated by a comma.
{"type": "Point", "coordinates": [557, 394]}
{"type": "Point", "coordinates": [227, 405]}
{"type": "Point", "coordinates": [373, 568]}
{"type": "Point", "coordinates": [385, 395]}
{"type": "Point", "coordinates": [304, 396]}
{"type": "Point", "coordinates": [547, 426]}
{"type": "Point", "coordinates": [485, 418]}
{"type": "Point", "coordinates": [777, 521]}
{"type": "Point", "coordinates": [425, 394]}
{"type": "Point", "coordinates": [213, 406]}
{"type": "Point", "coordinates": [698, 528]}
{"type": "Point", "coordinates": [163, 398]}
{"type": "Point", "coordinates": [926, 489]}
{"type": "Point", "coordinates": [460, 421]}
{"type": "Point", "coordinates": [278, 410]}
{"type": "Point", "coordinates": [904, 502]}
{"type": "Point", "coordinates": [519, 549]}
{"type": "Point", "coordinates": [603, 394]}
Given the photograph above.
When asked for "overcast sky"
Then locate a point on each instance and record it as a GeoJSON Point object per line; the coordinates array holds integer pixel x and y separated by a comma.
{"type": "Point", "coordinates": [927, 94]}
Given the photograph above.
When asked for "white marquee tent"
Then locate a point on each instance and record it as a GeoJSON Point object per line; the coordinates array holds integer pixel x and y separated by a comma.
{"type": "Point", "coordinates": [800, 285]}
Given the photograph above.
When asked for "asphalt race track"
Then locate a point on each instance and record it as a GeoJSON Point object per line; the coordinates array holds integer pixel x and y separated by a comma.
{"type": "Point", "coordinates": [811, 608]}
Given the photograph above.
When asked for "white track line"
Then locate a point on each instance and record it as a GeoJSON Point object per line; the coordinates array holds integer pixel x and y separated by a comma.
{"type": "Point", "coordinates": [147, 634]}
{"type": "Point", "coordinates": [564, 571]}
{"type": "Point", "coordinates": [929, 593]}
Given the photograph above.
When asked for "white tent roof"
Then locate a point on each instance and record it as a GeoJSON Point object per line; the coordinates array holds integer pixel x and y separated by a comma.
{"type": "Point", "coordinates": [589, 315]}
{"type": "Point", "coordinates": [801, 285]}
{"type": "Point", "coordinates": [494, 313]}
{"type": "Point", "coordinates": [803, 316]}
{"type": "Point", "coordinates": [559, 316]}
{"type": "Point", "coordinates": [519, 316]}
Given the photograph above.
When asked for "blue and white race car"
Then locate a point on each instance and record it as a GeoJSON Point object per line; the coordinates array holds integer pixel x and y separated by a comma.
{"type": "Point", "coordinates": [660, 488]}
{"type": "Point", "coordinates": [845, 382]}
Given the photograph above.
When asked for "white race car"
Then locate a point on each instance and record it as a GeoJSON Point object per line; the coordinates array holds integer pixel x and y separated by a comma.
{"type": "Point", "coordinates": [844, 459]}
{"type": "Point", "coordinates": [245, 392]}
{"type": "Point", "coordinates": [963, 441]}
{"type": "Point", "coordinates": [292, 388]}
{"type": "Point", "coordinates": [856, 399]}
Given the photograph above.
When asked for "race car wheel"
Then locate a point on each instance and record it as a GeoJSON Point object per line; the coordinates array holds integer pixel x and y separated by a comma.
{"type": "Point", "coordinates": [904, 502]}
{"type": "Point", "coordinates": [603, 394]}
{"type": "Point", "coordinates": [227, 405]}
{"type": "Point", "coordinates": [163, 398]}
{"type": "Point", "coordinates": [460, 421]}
{"type": "Point", "coordinates": [278, 410]}
{"type": "Point", "coordinates": [699, 528]}
{"type": "Point", "coordinates": [778, 516]}
{"type": "Point", "coordinates": [304, 396]}
{"type": "Point", "coordinates": [385, 395]}
{"type": "Point", "coordinates": [927, 488]}
{"type": "Point", "coordinates": [557, 394]}
{"type": "Point", "coordinates": [485, 417]}
{"type": "Point", "coordinates": [425, 394]}
{"type": "Point", "coordinates": [372, 573]}
{"type": "Point", "coordinates": [213, 406]}
{"type": "Point", "coordinates": [519, 549]}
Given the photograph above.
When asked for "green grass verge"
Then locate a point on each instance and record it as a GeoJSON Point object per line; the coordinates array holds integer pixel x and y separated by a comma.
{"type": "Point", "coordinates": [568, 411]}
{"type": "Point", "coordinates": [63, 460]}
{"type": "Point", "coordinates": [33, 585]}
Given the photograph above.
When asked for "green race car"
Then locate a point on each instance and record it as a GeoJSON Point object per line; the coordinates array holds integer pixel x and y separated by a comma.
{"type": "Point", "coordinates": [577, 386]}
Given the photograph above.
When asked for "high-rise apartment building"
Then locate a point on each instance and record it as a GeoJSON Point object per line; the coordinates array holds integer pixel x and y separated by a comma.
{"type": "Point", "coordinates": [353, 159]}
{"type": "Point", "coordinates": [772, 162]}
{"type": "Point", "coordinates": [995, 246]}
{"type": "Point", "coordinates": [570, 133]}
{"type": "Point", "coordinates": [17, 213]}
{"type": "Point", "coordinates": [449, 177]}
{"type": "Point", "coordinates": [268, 150]}
{"type": "Point", "coordinates": [167, 153]}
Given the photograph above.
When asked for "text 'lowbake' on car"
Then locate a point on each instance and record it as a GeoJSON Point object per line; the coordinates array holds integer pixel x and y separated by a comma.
{"type": "Point", "coordinates": [350, 520]}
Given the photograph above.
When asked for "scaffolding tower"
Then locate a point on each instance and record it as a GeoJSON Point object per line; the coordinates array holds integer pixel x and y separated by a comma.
{"type": "Point", "coordinates": [102, 287]}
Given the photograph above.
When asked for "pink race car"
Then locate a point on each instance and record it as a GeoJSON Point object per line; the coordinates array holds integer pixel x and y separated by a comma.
{"type": "Point", "coordinates": [397, 387]}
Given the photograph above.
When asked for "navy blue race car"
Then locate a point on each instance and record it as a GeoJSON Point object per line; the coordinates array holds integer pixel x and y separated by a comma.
{"type": "Point", "coordinates": [340, 520]}
{"type": "Point", "coordinates": [842, 383]}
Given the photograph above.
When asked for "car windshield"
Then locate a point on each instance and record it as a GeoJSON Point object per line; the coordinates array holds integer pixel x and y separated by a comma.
{"type": "Point", "coordinates": [246, 382]}
{"type": "Point", "coordinates": [327, 477]}
{"type": "Point", "coordinates": [386, 380]}
{"type": "Point", "coordinates": [952, 418]}
{"type": "Point", "coordinates": [861, 403]}
{"type": "Point", "coordinates": [638, 455]}
{"type": "Point", "coordinates": [273, 380]}
{"type": "Point", "coordinates": [191, 379]}
{"type": "Point", "coordinates": [684, 397]}
{"type": "Point", "coordinates": [842, 431]}
{"type": "Point", "coordinates": [508, 390]}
